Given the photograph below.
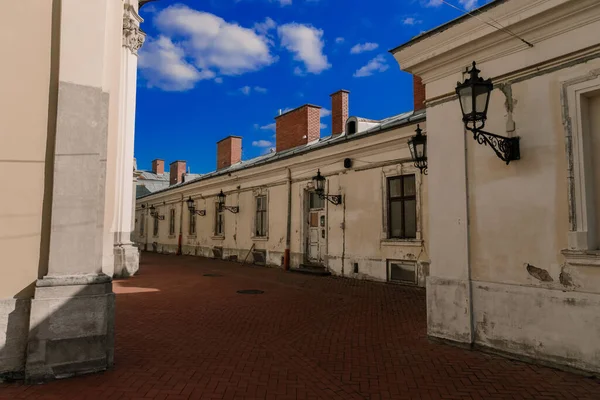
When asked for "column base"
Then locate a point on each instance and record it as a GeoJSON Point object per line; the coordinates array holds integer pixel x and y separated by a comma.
{"type": "Point", "coordinates": [14, 325]}
{"type": "Point", "coordinates": [127, 260]}
{"type": "Point", "coordinates": [71, 328]}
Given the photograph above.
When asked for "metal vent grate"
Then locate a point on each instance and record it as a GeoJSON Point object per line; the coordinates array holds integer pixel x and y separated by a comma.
{"type": "Point", "coordinates": [250, 291]}
{"type": "Point", "coordinates": [259, 256]}
{"type": "Point", "coordinates": [217, 252]}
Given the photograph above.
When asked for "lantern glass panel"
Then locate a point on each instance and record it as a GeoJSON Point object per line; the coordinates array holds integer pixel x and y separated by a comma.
{"type": "Point", "coordinates": [481, 98]}
{"type": "Point", "coordinates": [466, 100]}
{"type": "Point", "coordinates": [190, 204]}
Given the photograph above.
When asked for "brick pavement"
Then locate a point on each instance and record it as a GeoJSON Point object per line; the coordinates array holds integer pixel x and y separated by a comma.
{"type": "Point", "coordinates": [182, 335]}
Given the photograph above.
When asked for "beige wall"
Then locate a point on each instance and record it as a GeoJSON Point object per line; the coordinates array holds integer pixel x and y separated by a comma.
{"type": "Point", "coordinates": [28, 97]}
{"type": "Point", "coordinates": [493, 224]}
{"type": "Point", "coordinates": [356, 231]}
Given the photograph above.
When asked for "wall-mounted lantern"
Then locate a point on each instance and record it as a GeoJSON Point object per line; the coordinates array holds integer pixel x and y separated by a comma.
{"type": "Point", "coordinates": [418, 150]}
{"type": "Point", "coordinates": [192, 208]}
{"type": "Point", "coordinates": [154, 213]}
{"type": "Point", "coordinates": [319, 184]}
{"type": "Point", "coordinates": [474, 96]}
{"type": "Point", "coordinates": [222, 206]}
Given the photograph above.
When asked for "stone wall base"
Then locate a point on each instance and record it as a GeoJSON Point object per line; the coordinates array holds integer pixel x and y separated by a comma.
{"type": "Point", "coordinates": [14, 325]}
{"type": "Point", "coordinates": [71, 327]}
{"type": "Point", "coordinates": [127, 260]}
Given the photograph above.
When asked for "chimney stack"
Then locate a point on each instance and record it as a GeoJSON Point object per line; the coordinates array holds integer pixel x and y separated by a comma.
{"type": "Point", "coordinates": [418, 93]}
{"type": "Point", "coordinates": [229, 151]}
{"type": "Point", "coordinates": [158, 166]}
{"type": "Point", "coordinates": [176, 169]}
{"type": "Point", "coordinates": [298, 127]}
{"type": "Point", "coordinates": [339, 111]}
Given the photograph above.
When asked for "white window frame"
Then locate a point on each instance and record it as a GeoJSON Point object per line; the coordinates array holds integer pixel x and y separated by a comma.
{"type": "Point", "coordinates": [393, 172]}
{"type": "Point", "coordinates": [582, 240]}
{"type": "Point", "coordinates": [173, 218]}
{"type": "Point", "coordinates": [266, 201]}
{"type": "Point", "coordinates": [217, 213]}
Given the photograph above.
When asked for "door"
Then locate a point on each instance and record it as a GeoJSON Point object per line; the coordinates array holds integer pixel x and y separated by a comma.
{"type": "Point", "coordinates": [316, 229]}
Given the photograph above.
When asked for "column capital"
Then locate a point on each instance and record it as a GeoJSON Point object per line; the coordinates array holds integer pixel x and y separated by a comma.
{"type": "Point", "coordinates": [133, 36]}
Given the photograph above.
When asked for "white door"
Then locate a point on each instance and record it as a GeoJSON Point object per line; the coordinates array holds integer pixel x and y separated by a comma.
{"type": "Point", "coordinates": [316, 229]}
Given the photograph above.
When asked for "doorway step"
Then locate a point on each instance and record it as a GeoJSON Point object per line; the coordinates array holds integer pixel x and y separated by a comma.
{"type": "Point", "coordinates": [311, 269]}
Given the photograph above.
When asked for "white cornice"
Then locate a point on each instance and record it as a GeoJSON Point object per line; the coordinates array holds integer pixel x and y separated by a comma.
{"type": "Point", "coordinates": [448, 51]}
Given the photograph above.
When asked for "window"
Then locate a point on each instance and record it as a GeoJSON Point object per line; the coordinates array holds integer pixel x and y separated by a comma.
{"type": "Point", "coordinates": [261, 216]}
{"type": "Point", "coordinates": [351, 127]}
{"type": "Point", "coordinates": [402, 207]}
{"type": "Point", "coordinates": [402, 271]}
{"type": "Point", "coordinates": [219, 221]}
{"type": "Point", "coordinates": [155, 226]}
{"type": "Point", "coordinates": [315, 202]}
{"type": "Point", "coordinates": [171, 222]}
{"type": "Point", "coordinates": [192, 223]}
{"type": "Point", "coordinates": [142, 219]}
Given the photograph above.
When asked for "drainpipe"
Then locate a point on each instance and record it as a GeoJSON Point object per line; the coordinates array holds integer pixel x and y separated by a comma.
{"type": "Point", "coordinates": [286, 256]}
{"type": "Point", "coordinates": [179, 252]}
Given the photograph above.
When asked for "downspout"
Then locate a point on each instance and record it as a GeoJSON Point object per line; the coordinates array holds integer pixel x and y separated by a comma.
{"type": "Point", "coordinates": [286, 256]}
{"type": "Point", "coordinates": [179, 252]}
{"type": "Point", "coordinates": [468, 227]}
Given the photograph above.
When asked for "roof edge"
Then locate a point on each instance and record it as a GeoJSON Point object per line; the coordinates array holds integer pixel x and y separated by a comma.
{"type": "Point", "coordinates": [447, 25]}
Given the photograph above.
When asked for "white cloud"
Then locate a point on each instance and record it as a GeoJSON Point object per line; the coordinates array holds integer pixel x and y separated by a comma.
{"type": "Point", "coordinates": [285, 2]}
{"type": "Point", "coordinates": [262, 143]}
{"type": "Point", "coordinates": [339, 40]}
{"type": "Point", "coordinates": [323, 126]}
{"type": "Point", "coordinates": [325, 112]}
{"type": "Point", "coordinates": [378, 64]}
{"type": "Point", "coordinates": [411, 21]}
{"type": "Point", "coordinates": [467, 4]}
{"type": "Point", "coordinates": [361, 48]}
{"type": "Point", "coordinates": [260, 89]}
{"type": "Point", "coordinates": [219, 80]}
{"type": "Point", "coordinates": [306, 42]}
{"type": "Point", "coordinates": [269, 127]}
{"type": "Point", "coordinates": [164, 66]}
{"type": "Point", "coordinates": [265, 27]}
{"type": "Point", "coordinates": [247, 90]}
{"type": "Point", "coordinates": [195, 45]}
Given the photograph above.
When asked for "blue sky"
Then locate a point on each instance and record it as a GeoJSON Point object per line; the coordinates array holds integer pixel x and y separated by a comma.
{"type": "Point", "coordinates": [213, 68]}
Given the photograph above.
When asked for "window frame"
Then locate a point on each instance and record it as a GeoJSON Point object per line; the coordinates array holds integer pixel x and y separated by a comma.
{"type": "Point", "coordinates": [191, 224]}
{"type": "Point", "coordinates": [265, 215]}
{"type": "Point", "coordinates": [172, 223]}
{"type": "Point", "coordinates": [403, 199]}
{"type": "Point", "coordinates": [155, 230]}
{"type": "Point", "coordinates": [142, 224]}
{"type": "Point", "coordinates": [219, 212]}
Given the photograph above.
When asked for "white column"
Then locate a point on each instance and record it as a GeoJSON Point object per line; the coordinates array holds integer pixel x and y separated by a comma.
{"type": "Point", "coordinates": [125, 253]}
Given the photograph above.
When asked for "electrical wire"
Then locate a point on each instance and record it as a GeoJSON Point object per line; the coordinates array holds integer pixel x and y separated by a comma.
{"type": "Point", "coordinates": [499, 27]}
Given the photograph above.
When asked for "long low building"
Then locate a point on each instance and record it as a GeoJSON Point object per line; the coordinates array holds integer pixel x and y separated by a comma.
{"type": "Point", "coordinates": [367, 223]}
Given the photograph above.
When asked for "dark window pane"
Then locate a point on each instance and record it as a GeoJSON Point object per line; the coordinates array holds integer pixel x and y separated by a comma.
{"type": "Point", "coordinates": [395, 188]}
{"type": "Point", "coordinates": [403, 272]}
{"type": "Point", "coordinates": [410, 218]}
{"type": "Point", "coordinates": [396, 219]}
{"type": "Point", "coordinates": [409, 185]}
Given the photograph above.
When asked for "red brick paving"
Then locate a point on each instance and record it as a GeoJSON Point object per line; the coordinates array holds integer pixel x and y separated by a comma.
{"type": "Point", "coordinates": [182, 335]}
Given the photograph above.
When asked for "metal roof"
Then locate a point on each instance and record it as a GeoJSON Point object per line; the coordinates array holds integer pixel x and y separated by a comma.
{"type": "Point", "coordinates": [384, 125]}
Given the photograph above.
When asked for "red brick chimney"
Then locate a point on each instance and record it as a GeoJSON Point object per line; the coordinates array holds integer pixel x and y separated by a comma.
{"type": "Point", "coordinates": [298, 127]}
{"type": "Point", "coordinates": [158, 166]}
{"type": "Point", "coordinates": [177, 169]}
{"type": "Point", "coordinates": [418, 93]}
{"type": "Point", "coordinates": [229, 151]}
{"type": "Point", "coordinates": [339, 111]}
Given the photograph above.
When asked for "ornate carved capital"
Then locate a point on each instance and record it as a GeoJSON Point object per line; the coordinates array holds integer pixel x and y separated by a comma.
{"type": "Point", "coordinates": [133, 36]}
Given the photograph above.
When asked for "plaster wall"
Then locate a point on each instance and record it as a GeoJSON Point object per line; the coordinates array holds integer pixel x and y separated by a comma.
{"type": "Point", "coordinates": [501, 272]}
{"type": "Point", "coordinates": [356, 229]}
{"type": "Point", "coordinates": [28, 98]}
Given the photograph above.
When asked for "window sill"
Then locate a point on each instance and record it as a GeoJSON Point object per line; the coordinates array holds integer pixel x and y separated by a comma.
{"type": "Point", "coordinates": [582, 258]}
{"type": "Point", "coordinates": [401, 242]}
{"type": "Point", "coordinates": [260, 238]}
{"type": "Point", "coordinates": [217, 237]}
{"type": "Point", "coordinates": [172, 236]}
{"type": "Point", "coordinates": [191, 236]}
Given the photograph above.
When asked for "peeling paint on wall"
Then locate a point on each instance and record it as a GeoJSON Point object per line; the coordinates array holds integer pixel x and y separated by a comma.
{"type": "Point", "coordinates": [539, 273]}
